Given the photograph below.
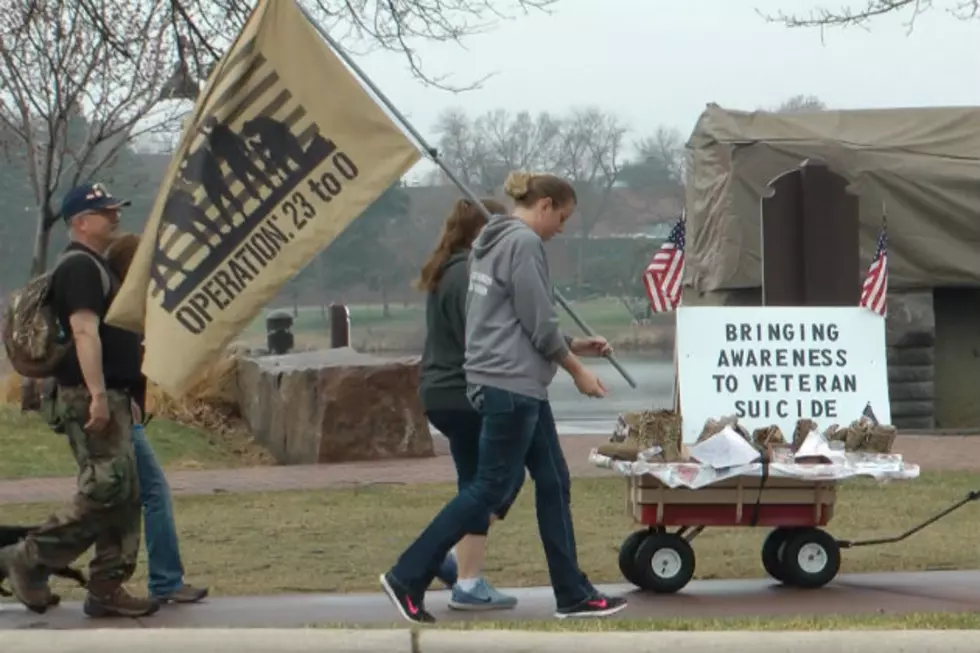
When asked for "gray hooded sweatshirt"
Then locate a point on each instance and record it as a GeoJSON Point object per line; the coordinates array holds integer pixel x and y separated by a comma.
{"type": "Point", "coordinates": [513, 341]}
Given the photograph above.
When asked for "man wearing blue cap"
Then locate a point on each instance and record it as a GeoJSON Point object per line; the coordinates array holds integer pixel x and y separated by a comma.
{"type": "Point", "coordinates": [94, 406]}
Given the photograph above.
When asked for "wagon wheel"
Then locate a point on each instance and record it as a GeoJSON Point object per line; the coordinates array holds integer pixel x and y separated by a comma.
{"type": "Point", "coordinates": [664, 563]}
{"type": "Point", "coordinates": [772, 552]}
{"type": "Point", "coordinates": [810, 558]}
{"type": "Point", "coordinates": [627, 557]}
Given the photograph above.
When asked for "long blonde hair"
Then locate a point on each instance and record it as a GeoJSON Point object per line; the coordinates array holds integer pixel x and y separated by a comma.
{"type": "Point", "coordinates": [458, 232]}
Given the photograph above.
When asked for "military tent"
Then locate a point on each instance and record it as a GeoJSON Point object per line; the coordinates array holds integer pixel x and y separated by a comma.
{"type": "Point", "coordinates": [921, 164]}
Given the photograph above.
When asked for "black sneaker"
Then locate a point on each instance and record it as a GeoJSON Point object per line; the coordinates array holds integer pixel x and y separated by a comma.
{"type": "Point", "coordinates": [411, 607]}
{"type": "Point", "coordinates": [599, 605]}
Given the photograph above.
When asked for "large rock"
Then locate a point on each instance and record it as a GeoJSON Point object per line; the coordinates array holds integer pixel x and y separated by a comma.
{"type": "Point", "coordinates": [334, 405]}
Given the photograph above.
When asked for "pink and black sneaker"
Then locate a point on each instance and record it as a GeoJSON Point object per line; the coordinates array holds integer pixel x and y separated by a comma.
{"type": "Point", "coordinates": [599, 605]}
{"type": "Point", "coordinates": [410, 605]}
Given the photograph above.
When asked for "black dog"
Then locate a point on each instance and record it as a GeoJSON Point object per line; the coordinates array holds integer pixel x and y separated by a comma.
{"type": "Point", "coordinates": [12, 535]}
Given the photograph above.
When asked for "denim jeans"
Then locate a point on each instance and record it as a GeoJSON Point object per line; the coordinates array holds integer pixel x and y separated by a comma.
{"type": "Point", "coordinates": [160, 532]}
{"type": "Point", "coordinates": [517, 430]}
{"type": "Point", "coordinates": [462, 430]}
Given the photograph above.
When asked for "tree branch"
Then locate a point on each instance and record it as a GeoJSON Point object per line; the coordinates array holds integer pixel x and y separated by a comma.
{"type": "Point", "coordinates": [202, 29]}
{"type": "Point", "coordinates": [863, 15]}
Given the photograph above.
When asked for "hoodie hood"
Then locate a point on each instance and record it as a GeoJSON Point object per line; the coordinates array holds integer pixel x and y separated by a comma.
{"type": "Point", "coordinates": [497, 228]}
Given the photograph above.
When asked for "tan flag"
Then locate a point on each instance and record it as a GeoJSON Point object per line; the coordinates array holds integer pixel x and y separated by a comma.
{"type": "Point", "coordinates": [285, 149]}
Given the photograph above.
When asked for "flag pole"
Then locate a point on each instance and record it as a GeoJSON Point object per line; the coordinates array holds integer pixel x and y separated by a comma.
{"type": "Point", "coordinates": [433, 155]}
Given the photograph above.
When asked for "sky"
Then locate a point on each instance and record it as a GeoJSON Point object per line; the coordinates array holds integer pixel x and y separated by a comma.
{"type": "Point", "coordinates": [658, 62]}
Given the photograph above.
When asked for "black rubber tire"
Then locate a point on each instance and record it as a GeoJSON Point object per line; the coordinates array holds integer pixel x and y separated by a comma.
{"type": "Point", "coordinates": [654, 580]}
{"type": "Point", "coordinates": [914, 423]}
{"type": "Point", "coordinates": [923, 391]}
{"type": "Point", "coordinates": [826, 547]}
{"type": "Point", "coordinates": [910, 373]}
{"type": "Point", "coordinates": [772, 550]}
{"type": "Point", "coordinates": [627, 557]}
{"type": "Point", "coordinates": [915, 339]}
{"type": "Point", "coordinates": [908, 356]}
{"type": "Point", "coordinates": [926, 408]}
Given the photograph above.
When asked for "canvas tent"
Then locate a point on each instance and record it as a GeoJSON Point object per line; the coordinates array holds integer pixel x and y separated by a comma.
{"type": "Point", "coordinates": [923, 163]}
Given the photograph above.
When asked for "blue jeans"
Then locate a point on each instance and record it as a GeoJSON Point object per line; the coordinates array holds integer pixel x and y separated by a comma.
{"type": "Point", "coordinates": [517, 430]}
{"type": "Point", "coordinates": [160, 532]}
{"type": "Point", "coordinates": [462, 430]}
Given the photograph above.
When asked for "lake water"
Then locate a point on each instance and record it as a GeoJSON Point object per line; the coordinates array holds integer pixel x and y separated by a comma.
{"type": "Point", "coordinates": [576, 413]}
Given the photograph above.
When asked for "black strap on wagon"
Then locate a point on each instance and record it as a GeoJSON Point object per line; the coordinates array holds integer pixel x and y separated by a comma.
{"type": "Point", "coordinates": [762, 486]}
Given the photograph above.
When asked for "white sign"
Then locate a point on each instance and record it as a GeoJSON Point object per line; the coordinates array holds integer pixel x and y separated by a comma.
{"type": "Point", "coordinates": [778, 364]}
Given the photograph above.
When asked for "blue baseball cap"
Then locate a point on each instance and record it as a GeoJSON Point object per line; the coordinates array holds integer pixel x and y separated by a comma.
{"type": "Point", "coordinates": [88, 197]}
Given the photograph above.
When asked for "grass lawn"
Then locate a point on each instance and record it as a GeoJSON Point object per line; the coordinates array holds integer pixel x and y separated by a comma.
{"type": "Point", "coordinates": [916, 621]}
{"type": "Point", "coordinates": [338, 541]}
{"type": "Point", "coordinates": [28, 448]}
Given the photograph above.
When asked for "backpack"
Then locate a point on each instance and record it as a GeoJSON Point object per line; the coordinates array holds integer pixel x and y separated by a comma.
{"type": "Point", "coordinates": [32, 335]}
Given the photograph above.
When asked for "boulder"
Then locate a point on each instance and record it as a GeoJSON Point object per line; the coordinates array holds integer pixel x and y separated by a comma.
{"type": "Point", "coordinates": [334, 405]}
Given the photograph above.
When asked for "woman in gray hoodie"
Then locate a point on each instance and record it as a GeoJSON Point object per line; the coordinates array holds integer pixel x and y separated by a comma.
{"type": "Point", "coordinates": [442, 390]}
{"type": "Point", "coordinates": [514, 346]}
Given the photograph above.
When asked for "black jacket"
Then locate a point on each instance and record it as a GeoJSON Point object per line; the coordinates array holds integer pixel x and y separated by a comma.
{"type": "Point", "coordinates": [442, 382]}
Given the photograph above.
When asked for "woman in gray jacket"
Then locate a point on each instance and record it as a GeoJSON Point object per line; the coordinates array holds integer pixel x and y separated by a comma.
{"type": "Point", "coordinates": [514, 347]}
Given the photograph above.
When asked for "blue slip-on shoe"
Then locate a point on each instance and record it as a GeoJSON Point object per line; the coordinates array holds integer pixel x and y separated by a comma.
{"type": "Point", "coordinates": [482, 597]}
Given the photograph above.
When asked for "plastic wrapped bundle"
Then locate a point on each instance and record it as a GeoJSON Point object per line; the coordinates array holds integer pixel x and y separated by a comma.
{"type": "Point", "coordinates": [867, 437]}
{"type": "Point", "coordinates": [768, 438]}
{"type": "Point", "coordinates": [645, 430]}
{"type": "Point", "coordinates": [715, 426]}
{"type": "Point", "coordinates": [803, 428]}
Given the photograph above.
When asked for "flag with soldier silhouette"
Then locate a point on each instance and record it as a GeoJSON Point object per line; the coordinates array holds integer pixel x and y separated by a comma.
{"type": "Point", "coordinates": [284, 149]}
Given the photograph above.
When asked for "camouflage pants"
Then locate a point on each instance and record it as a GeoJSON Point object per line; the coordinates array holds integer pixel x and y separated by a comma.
{"type": "Point", "coordinates": [105, 510]}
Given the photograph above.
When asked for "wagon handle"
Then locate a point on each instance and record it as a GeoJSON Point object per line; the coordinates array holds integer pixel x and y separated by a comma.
{"type": "Point", "coordinates": [972, 496]}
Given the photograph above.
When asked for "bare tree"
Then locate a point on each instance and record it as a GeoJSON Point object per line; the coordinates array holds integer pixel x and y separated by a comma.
{"type": "Point", "coordinates": [662, 156]}
{"type": "Point", "coordinates": [590, 157]}
{"type": "Point", "coordinates": [860, 14]}
{"type": "Point", "coordinates": [69, 102]}
{"type": "Point", "coordinates": [484, 150]}
{"type": "Point", "coordinates": [464, 149]}
{"type": "Point", "coordinates": [202, 29]}
{"type": "Point", "coordinates": [585, 147]}
{"type": "Point", "coordinates": [801, 104]}
{"type": "Point", "coordinates": [520, 142]}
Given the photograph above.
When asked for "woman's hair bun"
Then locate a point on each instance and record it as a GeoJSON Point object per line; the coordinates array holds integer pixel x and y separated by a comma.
{"type": "Point", "coordinates": [518, 184]}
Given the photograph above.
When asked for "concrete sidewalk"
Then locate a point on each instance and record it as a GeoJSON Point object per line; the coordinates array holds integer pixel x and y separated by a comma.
{"type": "Point", "coordinates": [490, 641]}
{"type": "Point", "coordinates": [850, 594]}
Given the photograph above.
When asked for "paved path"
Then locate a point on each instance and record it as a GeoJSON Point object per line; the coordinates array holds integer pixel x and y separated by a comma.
{"type": "Point", "coordinates": [897, 593]}
{"type": "Point", "coordinates": [930, 452]}
{"type": "Point", "coordinates": [434, 640]}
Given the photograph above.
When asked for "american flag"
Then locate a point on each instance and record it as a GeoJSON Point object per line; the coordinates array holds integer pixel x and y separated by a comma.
{"type": "Point", "coordinates": [875, 290]}
{"type": "Point", "coordinates": [665, 272]}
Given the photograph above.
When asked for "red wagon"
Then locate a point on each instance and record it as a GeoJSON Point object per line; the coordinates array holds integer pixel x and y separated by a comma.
{"type": "Point", "coordinates": [797, 551]}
